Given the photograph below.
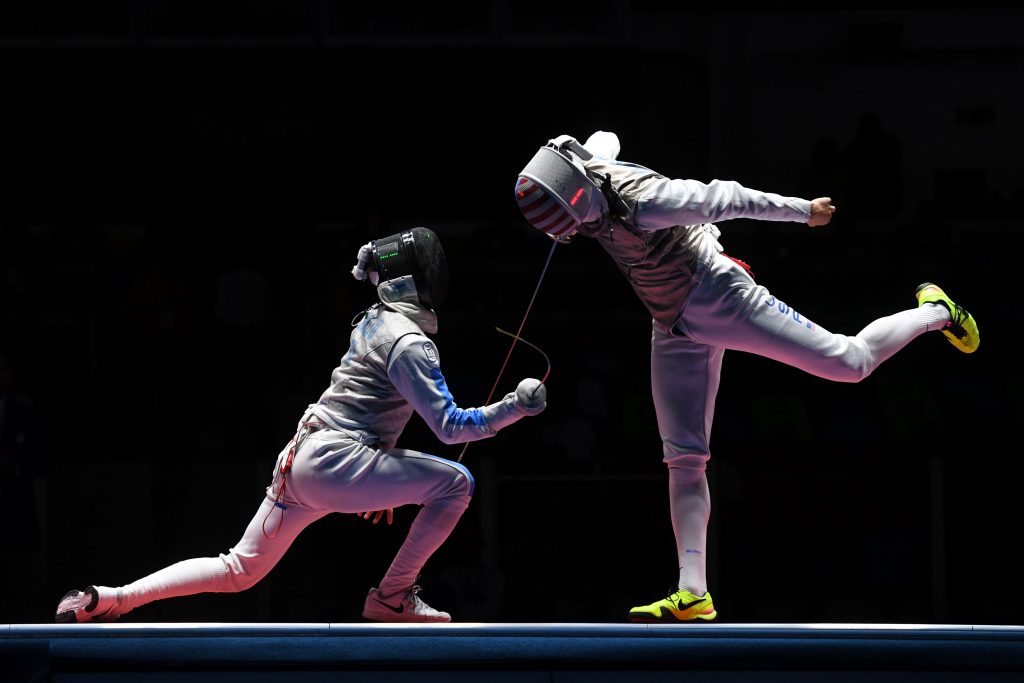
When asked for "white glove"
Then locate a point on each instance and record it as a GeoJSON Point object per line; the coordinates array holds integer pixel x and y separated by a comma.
{"type": "Point", "coordinates": [531, 396]}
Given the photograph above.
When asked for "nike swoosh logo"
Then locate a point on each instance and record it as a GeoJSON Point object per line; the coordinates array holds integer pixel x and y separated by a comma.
{"type": "Point", "coordinates": [396, 610]}
{"type": "Point", "coordinates": [684, 606]}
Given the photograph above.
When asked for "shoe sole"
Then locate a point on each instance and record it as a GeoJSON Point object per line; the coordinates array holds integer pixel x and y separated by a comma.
{"type": "Point", "coordinates": [383, 618]}
{"type": "Point", "coordinates": [671, 619]}
{"type": "Point", "coordinates": [407, 621]}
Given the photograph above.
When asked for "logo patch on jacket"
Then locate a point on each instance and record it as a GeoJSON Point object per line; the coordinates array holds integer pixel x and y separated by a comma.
{"type": "Point", "coordinates": [428, 349]}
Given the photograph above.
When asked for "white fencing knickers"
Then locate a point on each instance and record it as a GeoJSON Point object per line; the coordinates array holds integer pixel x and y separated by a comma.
{"type": "Point", "coordinates": [726, 309]}
{"type": "Point", "coordinates": [331, 472]}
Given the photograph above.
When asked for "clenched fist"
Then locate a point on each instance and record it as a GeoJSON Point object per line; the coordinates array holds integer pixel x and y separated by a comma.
{"type": "Point", "coordinates": [821, 211]}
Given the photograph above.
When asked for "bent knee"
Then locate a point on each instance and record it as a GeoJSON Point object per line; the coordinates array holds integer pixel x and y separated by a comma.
{"type": "Point", "coordinates": [463, 484]}
{"type": "Point", "coordinates": [468, 483]}
{"type": "Point", "coordinates": [458, 492]}
{"type": "Point", "coordinates": [855, 364]}
{"type": "Point", "coordinates": [852, 371]}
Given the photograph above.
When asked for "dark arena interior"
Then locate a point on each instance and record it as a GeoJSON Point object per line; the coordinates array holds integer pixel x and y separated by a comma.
{"type": "Point", "coordinates": [185, 187]}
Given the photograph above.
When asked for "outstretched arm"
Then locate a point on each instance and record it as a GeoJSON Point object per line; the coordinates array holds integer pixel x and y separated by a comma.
{"type": "Point", "coordinates": [415, 369]}
{"type": "Point", "coordinates": [667, 202]}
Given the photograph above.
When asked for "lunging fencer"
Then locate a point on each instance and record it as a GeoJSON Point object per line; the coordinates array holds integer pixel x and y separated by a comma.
{"type": "Point", "coordinates": [661, 234]}
{"type": "Point", "coordinates": [343, 456]}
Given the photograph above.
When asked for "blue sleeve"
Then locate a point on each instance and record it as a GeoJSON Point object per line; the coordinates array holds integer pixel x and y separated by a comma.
{"type": "Point", "coordinates": [415, 370]}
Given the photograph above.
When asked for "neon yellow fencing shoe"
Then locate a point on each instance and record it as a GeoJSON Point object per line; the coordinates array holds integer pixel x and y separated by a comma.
{"type": "Point", "coordinates": [962, 331]}
{"type": "Point", "coordinates": [680, 606]}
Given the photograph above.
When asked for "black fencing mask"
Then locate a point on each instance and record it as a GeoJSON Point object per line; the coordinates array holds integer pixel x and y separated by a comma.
{"type": "Point", "coordinates": [418, 253]}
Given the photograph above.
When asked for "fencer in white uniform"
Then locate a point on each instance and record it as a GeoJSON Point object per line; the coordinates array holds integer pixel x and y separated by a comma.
{"type": "Point", "coordinates": [343, 457]}
{"type": "Point", "coordinates": [661, 234]}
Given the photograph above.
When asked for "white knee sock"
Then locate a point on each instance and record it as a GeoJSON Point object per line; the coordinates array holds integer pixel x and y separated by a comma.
{"type": "Point", "coordinates": [887, 335]}
{"type": "Point", "coordinates": [243, 566]}
{"type": "Point", "coordinates": [690, 502]}
{"type": "Point", "coordinates": [198, 575]}
{"type": "Point", "coordinates": [432, 526]}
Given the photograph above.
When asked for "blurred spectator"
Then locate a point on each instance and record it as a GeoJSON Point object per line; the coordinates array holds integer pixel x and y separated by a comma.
{"type": "Point", "coordinates": [821, 176]}
{"type": "Point", "coordinates": [873, 163]}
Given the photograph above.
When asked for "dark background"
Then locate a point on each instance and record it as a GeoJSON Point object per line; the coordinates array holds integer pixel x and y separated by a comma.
{"type": "Point", "coordinates": [184, 187]}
